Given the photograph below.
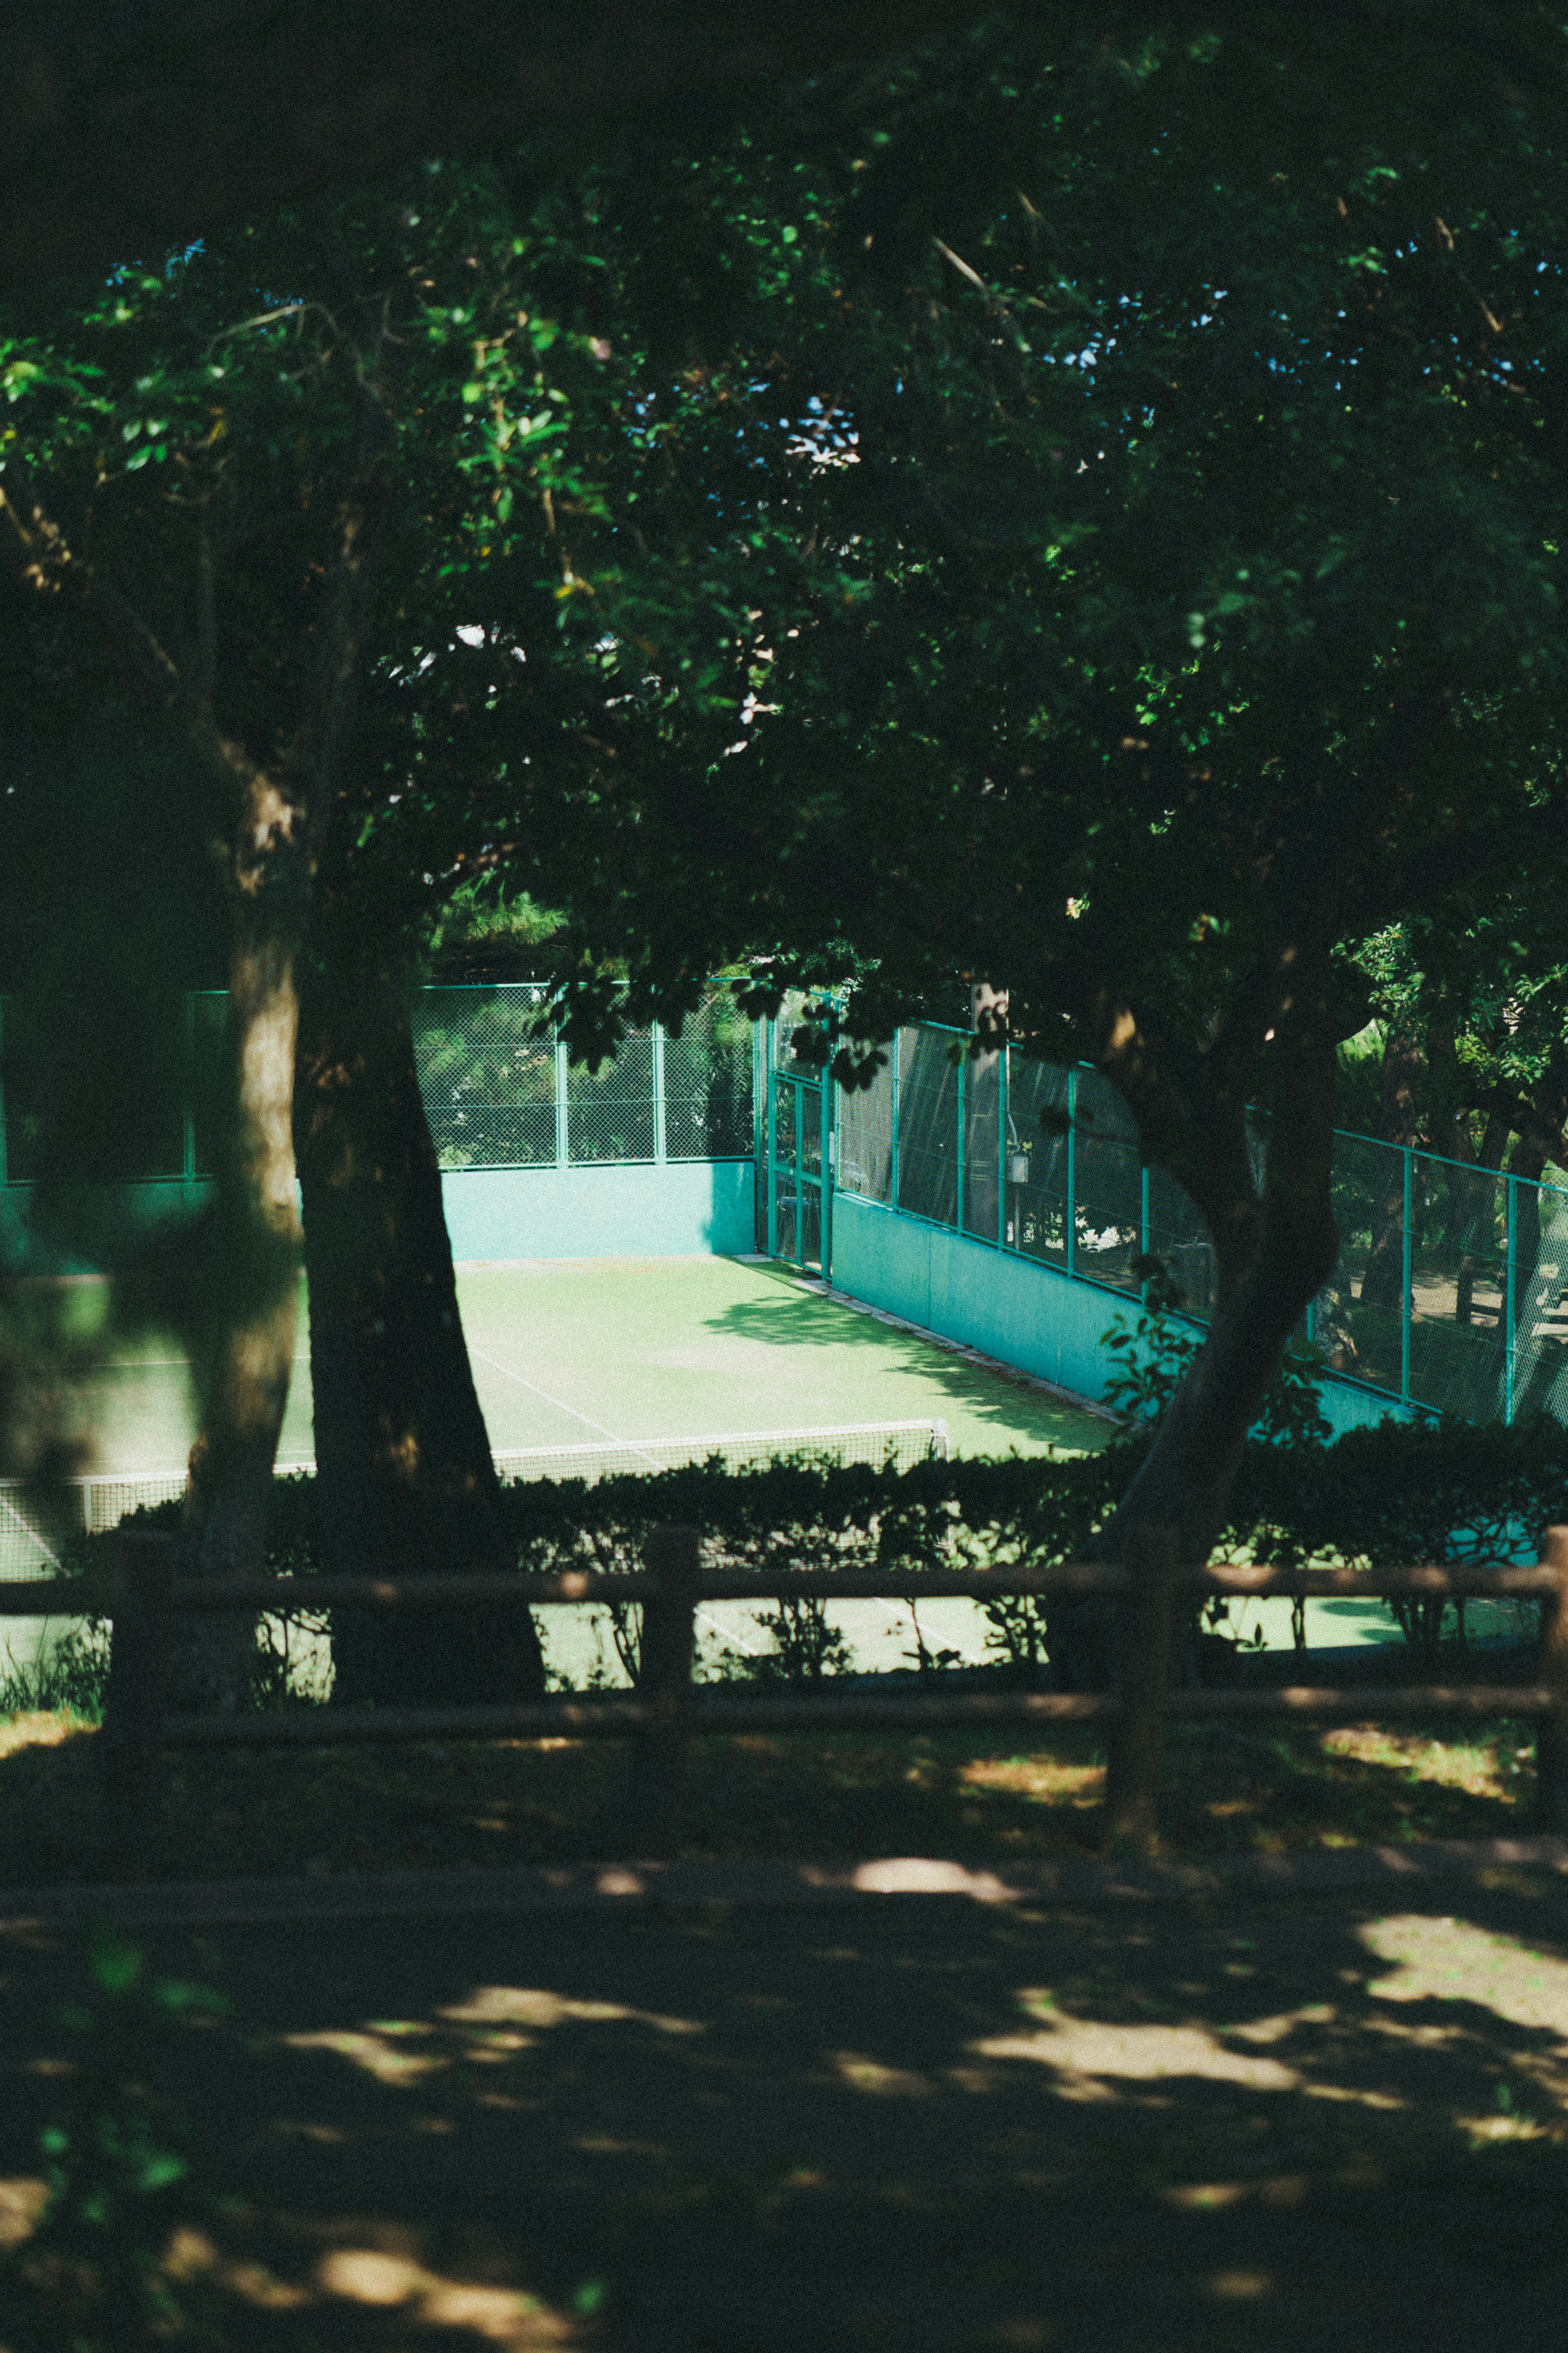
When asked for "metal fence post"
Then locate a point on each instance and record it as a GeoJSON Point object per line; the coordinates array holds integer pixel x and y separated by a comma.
{"type": "Point", "coordinates": [771, 1143]}
{"type": "Point", "coordinates": [1552, 1732]}
{"type": "Point", "coordinates": [5, 1178]}
{"type": "Point", "coordinates": [828, 1132]}
{"type": "Point", "coordinates": [961, 1170]}
{"type": "Point", "coordinates": [1511, 1293]}
{"type": "Point", "coordinates": [759, 1136]}
{"type": "Point", "coordinates": [664, 1685]}
{"type": "Point", "coordinates": [1404, 1281]}
{"type": "Point", "coordinates": [894, 1197]}
{"type": "Point", "coordinates": [562, 1130]}
{"type": "Point", "coordinates": [1143, 1226]}
{"type": "Point", "coordinates": [1072, 1173]}
{"type": "Point", "coordinates": [1132, 1772]}
{"type": "Point", "coordinates": [657, 1057]}
{"type": "Point", "coordinates": [188, 1092]}
{"type": "Point", "coordinates": [1003, 1113]}
{"type": "Point", "coordinates": [135, 1700]}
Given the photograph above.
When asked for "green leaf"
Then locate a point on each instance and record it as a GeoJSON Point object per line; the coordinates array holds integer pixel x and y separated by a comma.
{"type": "Point", "coordinates": [115, 1963]}
{"type": "Point", "coordinates": [160, 2169]}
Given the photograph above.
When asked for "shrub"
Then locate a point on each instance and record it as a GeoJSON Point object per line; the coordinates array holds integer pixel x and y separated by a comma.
{"type": "Point", "coordinates": [1438, 1491]}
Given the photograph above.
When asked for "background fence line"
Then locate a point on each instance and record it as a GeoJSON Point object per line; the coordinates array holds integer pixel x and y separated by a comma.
{"type": "Point", "coordinates": [1449, 1290]}
{"type": "Point", "coordinates": [499, 1093]}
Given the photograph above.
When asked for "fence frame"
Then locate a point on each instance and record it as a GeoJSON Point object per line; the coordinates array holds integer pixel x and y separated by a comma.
{"type": "Point", "coordinates": [1397, 1394]}
{"type": "Point", "coordinates": [664, 1712]}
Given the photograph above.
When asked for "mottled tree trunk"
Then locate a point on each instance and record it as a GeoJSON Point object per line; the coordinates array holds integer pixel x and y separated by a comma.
{"type": "Point", "coordinates": [1494, 1143]}
{"type": "Point", "coordinates": [1398, 1124]}
{"type": "Point", "coordinates": [243, 1354]}
{"type": "Point", "coordinates": [1274, 1252]}
{"type": "Point", "coordinates": [405, 1479]}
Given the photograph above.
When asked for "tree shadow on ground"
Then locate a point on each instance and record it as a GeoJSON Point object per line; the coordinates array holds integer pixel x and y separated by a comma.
{"type": "Point", "coordinates": [987, 1800]}
{"type": "Point", "coordinates": [1268, 2127]}
{"type": "Point", "coordinates": [791, 1316]}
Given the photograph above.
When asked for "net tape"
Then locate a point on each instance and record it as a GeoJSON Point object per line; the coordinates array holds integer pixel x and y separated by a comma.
{"type": "Point", "coordinates": [31, 1532]}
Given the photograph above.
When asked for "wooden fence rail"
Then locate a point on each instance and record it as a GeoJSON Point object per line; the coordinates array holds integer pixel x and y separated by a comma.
{"type": "Point", "coordinates": [666, 1711]}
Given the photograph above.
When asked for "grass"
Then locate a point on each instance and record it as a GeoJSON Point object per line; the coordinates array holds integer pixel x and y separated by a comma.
{"type": "Point", "coordinates": [1226, 1789]}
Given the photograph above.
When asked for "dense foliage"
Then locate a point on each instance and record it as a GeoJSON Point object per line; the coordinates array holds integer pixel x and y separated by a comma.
{"type": "Point", "coordinates": [1382, 1497]}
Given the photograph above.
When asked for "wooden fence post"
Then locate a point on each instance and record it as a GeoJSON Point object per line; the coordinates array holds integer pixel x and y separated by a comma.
{"type": "Point", "coordinates": [1552, 1732]}
{"type": "Point", "coordinates": [664, 1685]}
{"type": "Point", "coordinates": [1133, 1773]}
{"type": "Point", "coordinates": [134, 1706]}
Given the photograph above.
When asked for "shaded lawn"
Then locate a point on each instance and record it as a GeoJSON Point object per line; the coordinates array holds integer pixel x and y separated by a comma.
{"type": "Point", "coordinates": [979, 1797]}
{"type": "Point", "coordinates": [909, 2127]}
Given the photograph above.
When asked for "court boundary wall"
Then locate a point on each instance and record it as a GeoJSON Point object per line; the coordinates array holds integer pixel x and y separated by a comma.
{"type": "Point", "coordinates": [1024, 1311]}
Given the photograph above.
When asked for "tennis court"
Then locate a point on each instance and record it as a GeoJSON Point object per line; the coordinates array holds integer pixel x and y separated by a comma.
{"type": "Point", "coordinates": [583, 1352]}
{"type": "Point", "coordinates": [567, 1352]}
{"type": "Point", "coordinates": [572, 1353]}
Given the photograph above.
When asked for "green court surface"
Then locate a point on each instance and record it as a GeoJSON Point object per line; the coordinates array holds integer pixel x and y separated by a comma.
{"type": "Point", "coordinates": [565, 1353]}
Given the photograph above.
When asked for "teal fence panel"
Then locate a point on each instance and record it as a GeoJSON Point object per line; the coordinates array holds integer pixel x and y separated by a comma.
{"type": "Point", "coordinates": [1447, 1293]}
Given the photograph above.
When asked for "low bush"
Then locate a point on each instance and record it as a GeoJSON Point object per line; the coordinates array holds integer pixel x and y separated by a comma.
{"type": "Point", "coordinates": [1439, 1490]}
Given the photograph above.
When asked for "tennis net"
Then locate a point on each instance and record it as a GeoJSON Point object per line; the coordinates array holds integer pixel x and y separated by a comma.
{"type": "Point", "coordinates": [33, 1525]}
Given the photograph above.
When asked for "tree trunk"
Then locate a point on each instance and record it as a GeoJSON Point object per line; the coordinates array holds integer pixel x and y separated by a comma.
{"type": "Point", "coordinates": [244, 1353]}
{"type": "Point", "coordinates": [405, 1479]}
{"type": "Point", "coordinates": [1185, 1480]}
{"type": "Point", "coordinates": [1384, 1270]}
{"type": "Point", "coordinates": [1494, 1143]}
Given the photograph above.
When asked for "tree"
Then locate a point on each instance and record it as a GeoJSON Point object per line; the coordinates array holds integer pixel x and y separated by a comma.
{"type": "Point", "coordinates": [138, 135]}
{"type": "Point", "coordinates": [257, 484]}
{"type": "Point", "coordinates": [1152, 537]}
{"type": "Point", "coordinates": [134, 133]}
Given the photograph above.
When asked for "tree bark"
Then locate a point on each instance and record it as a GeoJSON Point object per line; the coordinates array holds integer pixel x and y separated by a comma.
{"type": "Point", "coordinates": [1398, 1124]}
{"type": "Point", "coordinates": [243, 1358]}
{"type": "Point", "coordinates": [404, 1480]}
{"type": "Point", "coordinates": [1185, 1480]}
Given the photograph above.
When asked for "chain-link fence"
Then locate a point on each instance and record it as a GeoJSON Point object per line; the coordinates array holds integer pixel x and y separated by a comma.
{"type": "Point", "coordinates": [499, 1090]}
{"type": "Point", "coordinates": [108, 1093]}
{"type": "Point", "coordinates": [487, 1076]}
{"type": "Point", "coordinates": [1450, 1285]}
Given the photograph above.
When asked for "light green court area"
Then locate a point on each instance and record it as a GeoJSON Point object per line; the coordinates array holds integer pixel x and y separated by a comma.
{"type": "Point", "coordinates": [568, 1352]}
{"type": "Point", "coordinates": [571, 1352]}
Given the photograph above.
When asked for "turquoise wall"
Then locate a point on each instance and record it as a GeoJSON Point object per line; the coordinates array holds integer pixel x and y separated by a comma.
{"type": "Point", "coordinates": [1027, 1314]}
{"type": "Point", "coordinates": [110, 1220]}
{"type": "Point", "coordinates": [622, 1210]}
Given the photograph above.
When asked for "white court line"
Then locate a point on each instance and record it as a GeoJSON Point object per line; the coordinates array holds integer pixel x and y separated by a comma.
{"type": "Point", "coordinates": [29, 1531]}
{"type": "Point", "coordinates": [640, 1446]}
{"type": "Point", "coordinates": [637, 1445]}
{"type": "Point", "coordinates": [754, 1650]}
{"type": "Point", "coordinates": [612, 1435]}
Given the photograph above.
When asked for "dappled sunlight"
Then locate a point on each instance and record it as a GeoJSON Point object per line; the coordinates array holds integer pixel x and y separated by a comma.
{"type": "Point", "coordinates": [378, 2052]}
{"type": "Point", "coordinates": [1454, 1960]}
{"type": "Point", "coordinates": [1044, 1778]}
{"type": "Point", "coordinates": [374, 2279]}
{"type": "Point", "coordinates": [41, 1728]}
{"type": "Point", "coordinates": [22, 2202]}
{"type": "Point", "coordinates": [500, 2315]}
{"type": "Point", "coordinates": [497, 2005]}
{"type": "Point", "coordinates": [495, 2023]}
{"type": "Point", "coordinates": [1482, 1768]}
{"type": "Point", "coordinates": [1087, 2054]}
{"type": "Point", "coordinates": [861, 2073]}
